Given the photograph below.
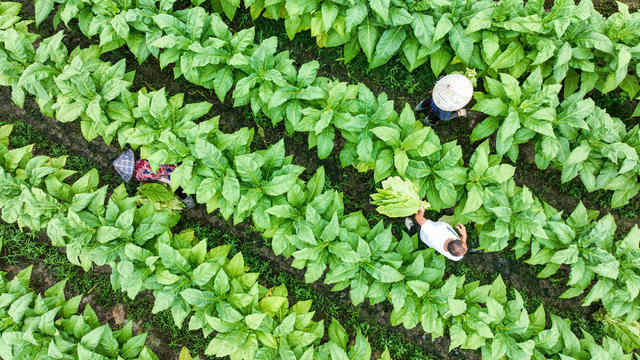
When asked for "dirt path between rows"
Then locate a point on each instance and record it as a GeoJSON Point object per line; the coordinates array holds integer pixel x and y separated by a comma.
{"type": "Point", "coordinates": [515, 273]}
{"type": "Point", "coordinates": [70, 136]}
{"type": "Point", "coordinates": [538, 181]}
{"type": "Point", "coordinates": [43, 277]}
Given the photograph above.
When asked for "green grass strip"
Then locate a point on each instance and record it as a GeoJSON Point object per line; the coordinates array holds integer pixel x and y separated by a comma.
{"type": "Point", "coordinates": [388, 143]}
{"type": "Point", "coordinates": [20, 247]}
{"type": "Point", "coordinates": [382, 270]}
{"type": "Point", "coordinates": [36, 326]}
{"type": "Point", "coordinates": [214, 291]}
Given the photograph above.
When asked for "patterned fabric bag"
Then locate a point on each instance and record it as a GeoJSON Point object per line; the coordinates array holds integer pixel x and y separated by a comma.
{"type": "Point", "coordinates": [125, 165]}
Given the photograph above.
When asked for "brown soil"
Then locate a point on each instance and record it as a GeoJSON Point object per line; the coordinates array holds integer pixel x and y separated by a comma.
{"type": "Point", "coordinates": [608, 7]}
{"type": "Point", "coordinates": [538, 181]}
{"type": "Point", "coordinates": [70, 136]}
{"type": "Point", "coordinates": [515, 274]}
{"type": "Point", "coordinates": [43, 277]}
{"type": "Point", "coordinates": [357, 186]}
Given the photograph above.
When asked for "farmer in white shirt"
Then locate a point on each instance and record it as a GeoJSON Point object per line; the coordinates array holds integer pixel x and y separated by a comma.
{"type": "Point", "coordinates": [439, 235]}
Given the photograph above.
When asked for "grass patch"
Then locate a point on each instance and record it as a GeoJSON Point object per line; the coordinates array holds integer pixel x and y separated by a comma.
{"type": "Point", "coordinates": [325, 307]}
{"type": "Point", "coordinates": [25, 134]}
{"type": "Point", "coordinates": [20, 248]}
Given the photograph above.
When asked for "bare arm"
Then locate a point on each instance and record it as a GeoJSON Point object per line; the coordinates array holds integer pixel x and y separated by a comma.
{"type": "Point", "coordinates": [463, 234]}
{"type": "Point", "coordinates": [420, 216]}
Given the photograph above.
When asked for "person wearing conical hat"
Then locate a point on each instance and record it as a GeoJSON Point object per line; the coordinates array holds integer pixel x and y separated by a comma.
{"type": "Point", "coordinates": [127, 166]}
{"type": "Point", "coordinates": [449, 96]}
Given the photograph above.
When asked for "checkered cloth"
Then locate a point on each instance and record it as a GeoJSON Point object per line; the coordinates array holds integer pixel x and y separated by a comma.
{"type": "Point", "coordinates": [144, 172]}
{"type": "Point", "coordinates": [125, 165]}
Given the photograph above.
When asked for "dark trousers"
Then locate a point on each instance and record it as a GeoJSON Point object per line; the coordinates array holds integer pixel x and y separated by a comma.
{"type": "Point", "coordinates": [180, 193]}
{"type": "Point", "coordinates": [415, 228]}
{"type": "Point", "coordinates": [425, 108]}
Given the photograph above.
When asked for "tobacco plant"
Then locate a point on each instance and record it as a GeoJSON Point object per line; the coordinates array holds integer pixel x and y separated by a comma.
{"type": "Point", "coordinates": [36, 326]}
{"type": "Point", "coordinates": [214, 290]}
{"type": "Point", "coordinates": [485, 169]}
{"type": "Point", "coordinates": [557, 45]}
{"type": "Point", "coordinates": [518, 113]}
{"type": "Point", "coordinates": [441, 170]}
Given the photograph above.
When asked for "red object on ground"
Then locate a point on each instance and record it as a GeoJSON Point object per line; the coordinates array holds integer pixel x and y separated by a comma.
{"type": "Point", "coordinates": [144, 173]}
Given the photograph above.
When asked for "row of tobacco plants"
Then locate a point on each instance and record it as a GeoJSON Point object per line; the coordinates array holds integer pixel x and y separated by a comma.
{"type": "Point", "coordinates": [377, 137]}
{"type": "Point", "coordinates": [309, 223]}
{"type": "Point", "coordinates": [134, 239]}
{"type": "Point", "coordinates": [133, 236]}
{"type": "Point", "coordinates": [571, 46]}
{"type": "Point", "coordinates": [34, 326]}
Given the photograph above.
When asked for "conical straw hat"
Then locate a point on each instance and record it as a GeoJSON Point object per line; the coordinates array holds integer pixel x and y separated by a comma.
{"type": "Point", "coordinates": [452, 92]}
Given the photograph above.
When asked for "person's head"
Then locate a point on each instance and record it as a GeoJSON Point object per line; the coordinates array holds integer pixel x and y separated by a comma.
{"type": "Point", "coordinates": [456, 248]}
{"type": "Point", "coordinates": [452, 92]}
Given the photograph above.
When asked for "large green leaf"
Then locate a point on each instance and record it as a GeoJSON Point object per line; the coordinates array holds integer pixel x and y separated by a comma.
{"type": "Point", "coordinates": [388, 45]}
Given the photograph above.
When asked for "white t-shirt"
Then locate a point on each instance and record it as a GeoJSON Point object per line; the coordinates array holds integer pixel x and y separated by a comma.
{"type": "Point", "coordinates": [435, 234]}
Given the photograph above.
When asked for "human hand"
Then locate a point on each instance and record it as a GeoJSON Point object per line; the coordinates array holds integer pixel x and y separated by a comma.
{"type": "Point", "coordinates": [462, 229]}
{"type": "Point", "coordinates": [420, 216]}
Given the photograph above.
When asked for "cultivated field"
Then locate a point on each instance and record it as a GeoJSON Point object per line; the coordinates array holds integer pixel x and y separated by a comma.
{"type": "Point", "coordinates": [283, 118]}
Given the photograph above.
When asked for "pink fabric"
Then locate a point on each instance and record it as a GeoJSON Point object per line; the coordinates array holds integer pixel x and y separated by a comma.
{"type": "Point", "coordinates": [144, 173]}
